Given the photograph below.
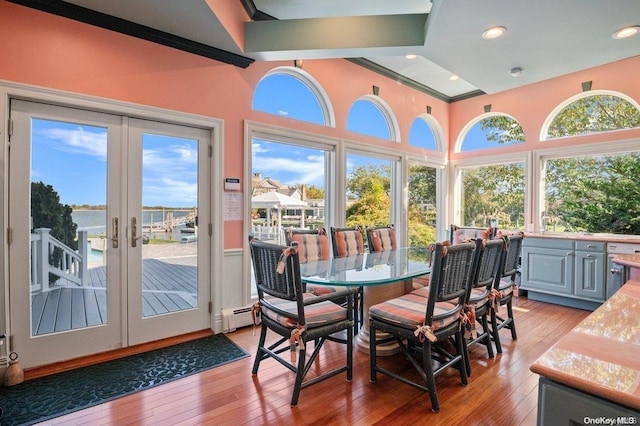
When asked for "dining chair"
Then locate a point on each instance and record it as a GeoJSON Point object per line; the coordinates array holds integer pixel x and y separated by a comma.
{"type": "Point", "coordinates": [462, 234]}
{"type": "Point", "coordinates": [350, 242]}
{"type": "Point", "coordinates": [504, 289]}
{"type": "Point", "coordinates": [381, 238]}
{"type": "Point", "coordinates": [297, 317]}
{"type": "Point", "coordinates": [347, 241]}
{"type": "Point", "coordinates": [477, 305]}
{"type": "Point", "coordinates": [427, 330]}
{"type": "Point", "coordinates": [313, 245]}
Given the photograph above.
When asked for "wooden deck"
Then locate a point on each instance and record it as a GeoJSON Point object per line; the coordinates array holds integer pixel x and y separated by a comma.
{"type": "Point", "coordinates": [169, 285]}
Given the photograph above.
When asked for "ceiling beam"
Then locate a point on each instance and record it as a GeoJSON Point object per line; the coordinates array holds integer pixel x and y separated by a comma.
{"type": "Point", "coordinates": [122, 26]}
{"type": "Point", "coordinates": [335, 37]}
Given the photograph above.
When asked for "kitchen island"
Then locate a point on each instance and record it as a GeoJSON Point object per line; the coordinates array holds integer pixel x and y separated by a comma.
{"type": "Point", "coordinates": [593, 371]}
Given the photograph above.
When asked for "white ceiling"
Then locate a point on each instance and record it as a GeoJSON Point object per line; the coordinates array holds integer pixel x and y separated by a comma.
{"type": "Point", "coordinates": [546, 38]}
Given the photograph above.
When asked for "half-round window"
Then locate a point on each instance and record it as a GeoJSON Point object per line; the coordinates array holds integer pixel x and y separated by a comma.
{"type": "Point", "coordinates": [592, 113]}
{"type": "Point", "coordinates": [370, 116]}
{"type": "Point", "coordinates": [491, 131]}
{"type": "Point", "coordinates": [293, 93]}
{"type": "Point", "coordinates": [422, 134]}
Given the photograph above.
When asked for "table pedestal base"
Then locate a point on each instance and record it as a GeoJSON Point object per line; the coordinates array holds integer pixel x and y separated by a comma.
{"type": "Point", "coordinates": [374, 294]}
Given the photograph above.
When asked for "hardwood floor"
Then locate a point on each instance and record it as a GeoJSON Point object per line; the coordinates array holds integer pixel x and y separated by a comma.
{"type": "Point", "coordinates": [501, 391]}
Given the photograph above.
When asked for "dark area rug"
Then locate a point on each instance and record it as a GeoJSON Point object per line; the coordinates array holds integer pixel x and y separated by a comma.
{"type": "Point", "coordinates": [47, 397]}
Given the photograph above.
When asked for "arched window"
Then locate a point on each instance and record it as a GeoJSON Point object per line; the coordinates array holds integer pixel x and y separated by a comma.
{"type": "Point", "coordinates": [293, 93]}
{"type": "Point", "coordinates": [592, 113]}
{"type": "Point", "coordinates": [491, 131]}
{"type": "Point", "coordinates": [371, 116]}
{"type": "Point", "coordinates": [423, 135]}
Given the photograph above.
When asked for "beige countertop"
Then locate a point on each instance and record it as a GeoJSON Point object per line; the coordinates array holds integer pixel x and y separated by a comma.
{"type": "Point", "coordinates": [600, 355]}
{"type": "Point", "coordinates": [604, 237]}
{"type": "Point", "coordinates": [632, 260]}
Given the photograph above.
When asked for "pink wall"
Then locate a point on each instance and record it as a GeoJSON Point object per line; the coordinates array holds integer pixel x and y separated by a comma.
{"type": "Point", "coordinates": [531, 104]}
{"type": "Point", "coordinates": [49, 51]}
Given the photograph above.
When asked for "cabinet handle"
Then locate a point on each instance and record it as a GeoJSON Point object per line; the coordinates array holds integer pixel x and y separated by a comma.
{"type": "Point", "coordinates": [590, 246]}
{"type": "Point", "coordinates": [569, 253]}
{"type": "Point", "coordinates": [591, 256]}
{"type": "Point", "coordinates": [614, 271]}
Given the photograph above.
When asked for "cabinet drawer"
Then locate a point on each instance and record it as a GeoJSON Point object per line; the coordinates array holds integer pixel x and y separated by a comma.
{"type": "Point", "coordinates": [552, 243]}
{"type": "Point", "coordinates": [590, 246]}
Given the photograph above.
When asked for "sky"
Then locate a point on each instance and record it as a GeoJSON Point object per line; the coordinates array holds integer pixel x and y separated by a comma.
{"type": "Point", "coordinates": [72, 158]}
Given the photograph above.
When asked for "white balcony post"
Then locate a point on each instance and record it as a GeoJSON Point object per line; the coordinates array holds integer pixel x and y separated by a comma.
{"type": "Point", "coordinates": [43, 257]}
{"type": "Point", "coordinates": [83, 251]}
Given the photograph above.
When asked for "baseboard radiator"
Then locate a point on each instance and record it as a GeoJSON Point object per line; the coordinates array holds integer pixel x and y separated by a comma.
{"type": "Point", "coordinates": [234, 318]}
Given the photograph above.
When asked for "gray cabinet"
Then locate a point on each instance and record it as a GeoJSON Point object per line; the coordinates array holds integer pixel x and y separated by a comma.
{"type": "Point", "coordinates": [564, 271]}
{"type": "Point", "coordinates": [589, 280]}
{"type": "Point", "coordinates": [547, 265]}
{"type": "Point", "coordinates": [561, 405]}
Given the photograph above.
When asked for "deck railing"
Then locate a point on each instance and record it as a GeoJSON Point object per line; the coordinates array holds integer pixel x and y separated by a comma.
{"type": "Point", "coordinates": [72, 265]}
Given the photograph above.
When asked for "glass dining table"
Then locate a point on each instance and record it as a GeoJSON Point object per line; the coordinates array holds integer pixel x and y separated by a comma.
{"type": "Point", "coordinates": [383, 276]}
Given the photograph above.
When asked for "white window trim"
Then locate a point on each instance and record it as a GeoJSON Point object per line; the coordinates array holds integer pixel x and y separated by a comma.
{"type": "Point", "coordinates": [387, 113]}
{"type": "Point", "coordinates": [553, 114]}
{"type": "Point", "coordinates": [436, 129]}
{"type": "Point", "coordinates": [278, 134]}
{"type": "Point", "coordinates": [313, 85]}
{"type": "Point", "coordinates": [463, 133]}
{"type": "Point", "coordinates": [455, 180]}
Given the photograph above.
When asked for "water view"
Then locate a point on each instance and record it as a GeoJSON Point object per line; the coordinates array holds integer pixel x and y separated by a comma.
{"type": "Point", "coordinates": [154, 223]}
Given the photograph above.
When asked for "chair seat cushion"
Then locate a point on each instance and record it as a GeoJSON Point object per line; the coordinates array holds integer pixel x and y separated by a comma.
{"type": "Point", "coordinates": [422, 291]}
{"type": "Point", "coordinates": [421, 281]}
{"type": "Point", "coordinates": [316, 315]}
{"type": "Point", "coordinates": [506, 287]}
{"type": "Point", "coordinates": [320, 290]}
{"type": "Point", "coordinates": [479, 296]}
{"type": "Point", "coordinates": [409, 311]}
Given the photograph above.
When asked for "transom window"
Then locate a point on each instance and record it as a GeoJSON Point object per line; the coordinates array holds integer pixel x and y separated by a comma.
{"type": "Point", "coordinates": [370, 116]}
{"type": "Point", "coordinates": [422, 135]}
{"type": "Point", "coordinates": [593, 114]}
{"type": "Point", "coordinates": [491, 131]}
{"type": "Point", "coordinates": [293, 93]}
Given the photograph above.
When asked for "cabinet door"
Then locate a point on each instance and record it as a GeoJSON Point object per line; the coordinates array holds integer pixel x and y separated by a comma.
{"type": "Point", "coordinates": [547, 270]}
{"type": "Point", "coordinates": [589, 275]}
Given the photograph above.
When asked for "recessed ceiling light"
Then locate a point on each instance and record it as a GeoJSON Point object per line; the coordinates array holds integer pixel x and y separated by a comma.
{"type": "Point", "coordinates": [493, 32]}
{"type": "Point", "coordinates": [411, 56]}
{"type": "Point", "coordinates": [454, 77]}
{"type": "Point", "coordinates": [626, 32]}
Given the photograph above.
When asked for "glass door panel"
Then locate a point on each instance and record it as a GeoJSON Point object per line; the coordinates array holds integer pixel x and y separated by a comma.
{"type": "Point", "coordinates": [168, 285]}
{"type": "Point", "coordinates": [64, 254]}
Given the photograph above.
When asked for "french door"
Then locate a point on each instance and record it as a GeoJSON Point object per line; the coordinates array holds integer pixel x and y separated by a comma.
{"type": "Point", "coordinates": [106, 250]}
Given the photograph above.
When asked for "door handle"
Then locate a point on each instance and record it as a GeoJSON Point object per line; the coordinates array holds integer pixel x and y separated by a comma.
{"type": "Point", "coordinates": [134, 232]}
{"type": "Point", "coordinates": [114, 229]}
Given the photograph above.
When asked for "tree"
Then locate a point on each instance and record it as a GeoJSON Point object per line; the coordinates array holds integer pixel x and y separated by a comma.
{"type": "Point", "coordinates": [594, 194]}
{"type": "Point", "coordinates": [502, 129]}
{"type": "Point", "coordinates": [369, 186]}
{"type": "Point", "coordinates": [598, 113]}
{"type": "Point", "coordinates": [48, 212]}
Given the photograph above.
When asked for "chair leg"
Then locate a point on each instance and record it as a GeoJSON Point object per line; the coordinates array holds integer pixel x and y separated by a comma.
{"type": "Point", "coordinates": [259, 352]}
{"type": "Point", "coordinates": [487, 332]}
{"type": "Point", "coordinates": [429, 377]}
{"type": "Point", "coordinates": [372, 354]}
{"type": "Point", "coordinates": [461, 349]}
{"type": "Point", "coordinates": [300, 372]}
{"type": "Point", "coordinates": [495, 331]}
{"type": "Point", "coordinates": [467, 358]}
{"type": "Point", "coordinates": [512, 323]}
